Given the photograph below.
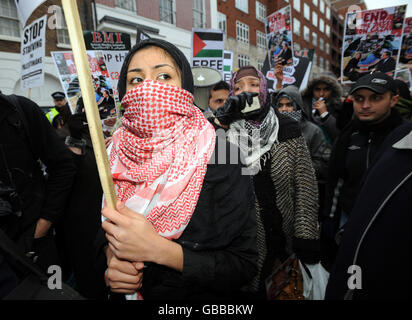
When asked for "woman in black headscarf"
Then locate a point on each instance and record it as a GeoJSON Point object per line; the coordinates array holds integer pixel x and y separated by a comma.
{"type": "Point", "coordinates": [196, 231]}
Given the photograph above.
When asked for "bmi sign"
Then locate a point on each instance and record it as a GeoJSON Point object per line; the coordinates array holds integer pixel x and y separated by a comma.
{"type": "Point", "coordinates": [208, 46]}
{"type": "Point", "coordinates": [111, 41]}
{"type": "Point", "coordinates": [33, 47]}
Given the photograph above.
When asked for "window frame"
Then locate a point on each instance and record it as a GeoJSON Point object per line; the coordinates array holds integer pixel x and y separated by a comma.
{"type": "Point", "coordinates": [315, 18]}
{"type": "Point", "coordinates": [262, 36]}
{"type": "Point", "coordinates": [15, 22]}
{"type": "Point", "coordinates": [308, 33]}
{"type": "Point", "coordinates": [295, 23]}
{"type": "Point", "coordinates": [172, 14]}
{"type": "Point", "coordinates": [132, 2]}
{"type": "Point", "coordinates": [306, 6]}
{"type": "Point", "coordinates": [296, 7]}
{"type": "Point", "coordinates": [202, 14]}
{"type": "Point", "coordinates": [240, 3]}
{"type": "Point", "coordinates": [260, 7]}
{"type": "Point", "coordinates": [244, 58]}
{"type": "Point", "coordinates": [220, 15]}
{"type": "Point", "coordinates": [239, 37]}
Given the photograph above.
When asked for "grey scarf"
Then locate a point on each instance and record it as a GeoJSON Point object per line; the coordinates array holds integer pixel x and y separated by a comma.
{"type": "Point", "coordinates": [254, 139]}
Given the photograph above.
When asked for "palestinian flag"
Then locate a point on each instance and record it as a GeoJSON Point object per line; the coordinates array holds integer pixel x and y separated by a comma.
{"type": "Point", "coordinates": [207, 44]}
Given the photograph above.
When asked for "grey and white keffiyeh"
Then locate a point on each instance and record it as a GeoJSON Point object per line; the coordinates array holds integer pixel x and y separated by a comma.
{"type": "Point", "coordinates": [254, 139]}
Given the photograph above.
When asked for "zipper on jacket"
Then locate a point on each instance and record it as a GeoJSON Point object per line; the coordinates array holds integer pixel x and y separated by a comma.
{"type": "Point", "coordinates": [349, 293]}
{"type": "Point", "coordinates": [368, 150]}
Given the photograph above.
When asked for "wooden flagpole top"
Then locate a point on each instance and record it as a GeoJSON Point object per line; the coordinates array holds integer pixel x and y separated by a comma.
{"type": "Point", "coordinates": [71, 14]}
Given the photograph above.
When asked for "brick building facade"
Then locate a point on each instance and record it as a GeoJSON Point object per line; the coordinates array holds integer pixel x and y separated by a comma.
{"type": "Point", "coordinates": [171, 20]}
{"type": "Point", "coordinates": [315, 23]}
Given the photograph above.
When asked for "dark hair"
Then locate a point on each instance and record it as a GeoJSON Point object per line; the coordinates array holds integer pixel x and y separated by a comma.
{"type": "Point", "coordinates": [177, 56]}
{"type": "Point", "coordinates": [221, 85]}
{"type": "Point", "coordinates": [402, 89]}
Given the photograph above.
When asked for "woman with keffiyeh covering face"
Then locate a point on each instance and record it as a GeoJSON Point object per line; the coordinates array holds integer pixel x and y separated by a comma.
{"type": "Point", "coordinates": [285, 186]}
{"type": "Point", "coordinates": [191, 222]}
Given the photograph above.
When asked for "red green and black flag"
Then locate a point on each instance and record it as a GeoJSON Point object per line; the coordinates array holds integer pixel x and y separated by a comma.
{"type": "Point", "coordinates": [208, 46]}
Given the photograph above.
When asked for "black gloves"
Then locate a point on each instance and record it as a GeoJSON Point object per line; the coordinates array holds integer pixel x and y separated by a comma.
{"type": "Point", "coordinates": [232, 109]}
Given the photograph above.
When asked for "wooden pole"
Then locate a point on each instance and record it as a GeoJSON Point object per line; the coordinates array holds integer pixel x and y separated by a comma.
{"type": "Point", "coordinates": [29, 93]}
{"type": "Point", "coordinates": [71, 14]}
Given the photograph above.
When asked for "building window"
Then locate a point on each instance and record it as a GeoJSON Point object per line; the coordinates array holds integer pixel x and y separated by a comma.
{"type": "Point", "coordinates": [327, 48]}
{"type": "Point", "coordinates": [327, 65]}
{"type": "Point", "coordinates": [167, 9]}
{"type": "Point", "coordinates": [296, 26]}
{"type": "Point", "coordinates": [322, 6]}
{"type": "Point", "coordinates": [243, 60]}
{"type": "Point", "coordinates": [129, 5]}
{"type": "Point", "coordinates": [242, 32]}
{"type": "Point", "coordinates": [306, 33]}
{"type": "Point", "coordinates": [321, 62]}
{"type": "Point", "coordinates": [306, 11]}
{"type": "Point", "coordinates": [296, 46]}
{"type": "Point", "coordinates": [314, 39]}
{"type": "Point", "coordinates": [315, 59]}
{"type": "Point", "coordinates": [61, 28]}
{"type": "Point", "coordinates": [328, 30]}
{"type": "Point", "coordinates": [321, 43]}
{"type": "Point", "coordinates": [296, 5]}
{"type": "Point", "coordinates": [242, 5]}
{"type": "Point", "coordinates": [199, 16]}
{"type": "Point", "coordinates": [260, 11]}
{"type": "Point", "coordinates": [314, 18]}
{"type": "Point", "coordinates": [221, 21]}
{"type": "Point", "coordinates": [321, 25]}
{"type": "Point", "coordinates": [328, 13]}
{"type": "Point", "coordinates": [9, 21]}
{"type": "Point", "coordinates": [261, 39]}
{"type": "Point", "coordinates": [315, 2]}
{"type": "Point", "coordinates": [260, 65]}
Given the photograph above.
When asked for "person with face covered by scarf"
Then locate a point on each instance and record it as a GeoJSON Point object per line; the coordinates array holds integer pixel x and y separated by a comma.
{"type": "Point", "coordinates": [276, 155]}
{"type": "Point", "coordinates": [190, 220]}
{"type": "Point", "coordinates": [289, 102]}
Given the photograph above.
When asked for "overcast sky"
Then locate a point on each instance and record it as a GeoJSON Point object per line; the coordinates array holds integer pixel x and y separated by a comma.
{"type": "Point", "coordinates": [375, 4]}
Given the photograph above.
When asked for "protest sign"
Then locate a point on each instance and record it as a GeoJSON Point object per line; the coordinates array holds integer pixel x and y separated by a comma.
{"type": "Point", "coordinates": [25, 8]}
{"type": "Point", "coordinates": [66, 67]}
{"type": "Point", "coordinates": [406, 48]}
{"type": "Point", "coordinates": [33, 48]}
{"type": "Point", "coordinates": [372, 41]}
{"type": "Point", "coordinates": [208, 46]}
{"type": "Point", "coordinates": [114, 46]}
{"type": "Point", "coordinates": [297, 73]}
{"type": "Point", "coordinates": [279, 37]}
{"type": "Point", "coordinates": [405, 76]}
{"type": "Point", "coordinates": [227, 65]}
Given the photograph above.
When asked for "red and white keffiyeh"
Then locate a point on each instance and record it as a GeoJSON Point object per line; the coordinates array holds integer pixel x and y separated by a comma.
{"type": "Point", "coordinates": [159, 156]}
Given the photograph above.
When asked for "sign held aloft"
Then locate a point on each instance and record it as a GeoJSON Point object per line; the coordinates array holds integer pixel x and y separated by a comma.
{"type": "Point", "coordinates": [33, 49]}
{"type": "Point", "coordinates": [208, 46]}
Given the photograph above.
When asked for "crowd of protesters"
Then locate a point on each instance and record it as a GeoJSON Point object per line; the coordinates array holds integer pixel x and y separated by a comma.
{"type": "Point", "coordinates": [320, 175]}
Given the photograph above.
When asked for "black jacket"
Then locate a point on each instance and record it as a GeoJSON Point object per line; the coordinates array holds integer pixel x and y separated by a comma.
{"type": "Point", "coordinates": [386, 66]}
{"type": "Point", "coordinates": [351, 156]}
{"type": "Point", "coordinates": [333, 105]}
{"type": "Point", "coordinates": [40, 198]}
{"type": "Point", "coordinates": [219, 243]}
{"type": "Point", "coordinates": [377, 236]}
